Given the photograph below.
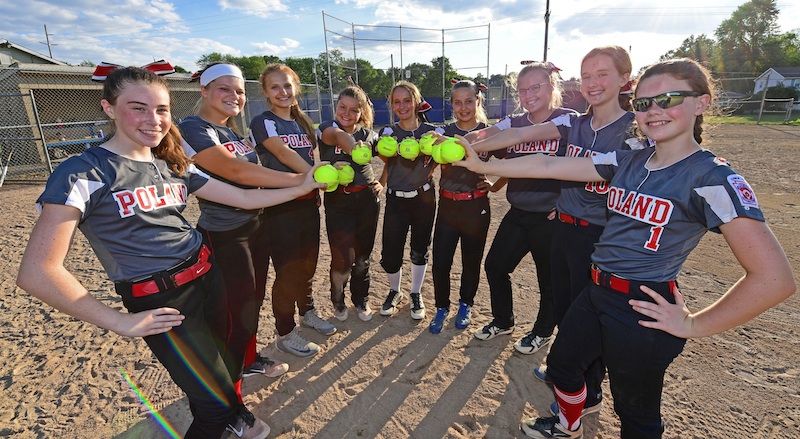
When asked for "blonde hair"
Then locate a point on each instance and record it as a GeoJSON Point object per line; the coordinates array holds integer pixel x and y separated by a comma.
{"type": "Point", "coordinates": [296, 113]}
{"type": "Point", "coordinates": [556, 98]}
{"type": "Point", "coordinates": [416, 97]}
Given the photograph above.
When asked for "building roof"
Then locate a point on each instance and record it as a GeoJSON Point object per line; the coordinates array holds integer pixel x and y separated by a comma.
{"type": "Point", "coordinates": [5, 44]}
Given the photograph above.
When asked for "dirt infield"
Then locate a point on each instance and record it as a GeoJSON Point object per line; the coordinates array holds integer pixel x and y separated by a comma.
{"type": "Point", "coordinates": [390, 377]}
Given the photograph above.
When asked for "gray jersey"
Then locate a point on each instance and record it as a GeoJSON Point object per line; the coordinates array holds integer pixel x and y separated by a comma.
{"type": "Point", "coordinates": [333, 153]}
{"type": "Point", "coordinates": [657, 216]}
{"type": "Point", "coordinates": [455, 178]}
{"type": "Point", "coordinates": [408, 175]}
{"type": "Point", "coordinates": [199, 135]}
{"type": "Point", "coordinates": [532, 194]}
{"type": "Point", "coordinates": [266, 125]}
{"type": "Point", "coordinates": [587, 201]}
{"type": "Point", "coordinates": [130, 210]}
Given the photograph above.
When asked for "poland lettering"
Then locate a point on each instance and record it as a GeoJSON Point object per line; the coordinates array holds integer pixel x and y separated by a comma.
{"type": "Point", "coordinates": [538, 147]}
{"type": "Point", "coordinates": [146, 198]}
{"type": "Point", "coordinates": [642, 207]}
{"type": "Point", "coordinates": [297, 141]}
{"type": "Point", "coordinates": [238, 148]}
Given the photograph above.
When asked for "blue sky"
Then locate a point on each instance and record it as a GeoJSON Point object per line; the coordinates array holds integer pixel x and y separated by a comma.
{"type": "Point", "coordinates": [180, 31]}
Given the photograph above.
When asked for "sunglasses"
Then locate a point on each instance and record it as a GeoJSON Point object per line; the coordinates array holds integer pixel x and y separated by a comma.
{"type": "Point", "coordinates": [665, 100]}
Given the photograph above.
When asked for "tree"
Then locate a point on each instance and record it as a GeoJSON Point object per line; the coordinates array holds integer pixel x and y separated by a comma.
{"type": "Point", "coordinates": [304, 67]}
{"type": "Point", "coordinates": [700, 49]}
{"type": "Point", "coordinates": [741, 38]}
{"type": "Point", "coordinates": [251, 66]}
{"type": "Point", "coordinates": [179, 69]}
{"type": "Point", "coordinates": [87, 63]}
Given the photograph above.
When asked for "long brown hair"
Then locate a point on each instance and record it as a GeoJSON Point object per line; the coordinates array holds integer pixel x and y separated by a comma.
{"type": "Point", "coordinates": [367, 115]}
{"type": "Point", "coordinates": [416, 97]}
{"type": "Point", "coordinates": [169, 149]}
{"type": "Point", "coordinates": [689, 70]}
{"type": "Point", "coordinates": [296, 113]}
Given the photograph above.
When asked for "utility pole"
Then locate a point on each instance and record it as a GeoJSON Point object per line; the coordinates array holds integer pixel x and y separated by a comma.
{"type": "Point", "coordinates": [546, 26]}
{"type": "Point", "coordinates": [47, 37]}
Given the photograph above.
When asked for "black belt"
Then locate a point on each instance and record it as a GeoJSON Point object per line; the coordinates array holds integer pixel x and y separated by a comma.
{"type": "Point", "coordinates": [181, 274]}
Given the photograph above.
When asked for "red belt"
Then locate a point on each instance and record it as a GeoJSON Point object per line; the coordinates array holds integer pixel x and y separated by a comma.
{"type": "Point", "coordinates": [569, 219]}
{"type": "Point", "coordinates": [182, 276]}
{"type": "Point", "coordinates": [351, 189]}
{"type": "Point", "coordinates": [620, 284]}
{"type": "Point", "coordinates": [462, 196]}
{"type": "Point", "coordinates": [308, 196]}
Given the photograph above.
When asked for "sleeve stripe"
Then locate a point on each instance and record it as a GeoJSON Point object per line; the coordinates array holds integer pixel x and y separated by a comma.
{"type": "Point", "coordinates": [81, 192]}
{"type": "Point", "coordinates": [719, 201]}
{"type": "Point", "coordinates": [609, 158]}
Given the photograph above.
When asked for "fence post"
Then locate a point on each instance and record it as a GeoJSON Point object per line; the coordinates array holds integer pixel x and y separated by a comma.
{"type": "Point", "coordinates": [763, 98]}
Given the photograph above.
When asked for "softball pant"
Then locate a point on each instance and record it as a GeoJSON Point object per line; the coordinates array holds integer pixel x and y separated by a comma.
{"type": "Point", "coordinates": [571, 257]}
{"type": "Point", "coordinates": [602, 323]}
{"type": "Point", "coordinates": [292, 236]}
{"type": "Point", "coordinates": [194, 353]}
{"type": "Point", "coordinates": [351, 220]}
{"type": "Point", "coordinates": [521, 233]}
{"type": "Point", "coordinates": [401, 214]}
{"type": "Point", "coordinates": [240, 260]}
{"type": "Point", "coordinates": [467, 220]}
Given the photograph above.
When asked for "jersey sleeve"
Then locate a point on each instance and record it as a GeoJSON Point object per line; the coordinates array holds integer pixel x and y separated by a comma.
{"type": "Point", "coordinates": [607, 164]}
{"type": "Point", "coordinates": [196, 137]}
{"type": "Point", "coordinates": [564, 123]}
{"type": "Point", "coordinates": [73, 183]}
{"type": "Point", "coordinates": [722, 195]}
{"type": "Point", "coordinates": [261, 129]}
{"type": "Point", "coordinates": [503, 124]}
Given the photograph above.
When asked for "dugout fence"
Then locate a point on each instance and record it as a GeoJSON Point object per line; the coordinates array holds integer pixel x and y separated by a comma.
{"type": "Point", "coordinates": [50, 113]}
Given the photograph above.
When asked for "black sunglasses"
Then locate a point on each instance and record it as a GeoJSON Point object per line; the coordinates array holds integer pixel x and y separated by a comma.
{"type": "Point", "coordinates": [664, 100]}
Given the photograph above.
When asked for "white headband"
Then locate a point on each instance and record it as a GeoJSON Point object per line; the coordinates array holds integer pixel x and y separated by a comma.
{"type": "Point", "coordinates": [218, 70]}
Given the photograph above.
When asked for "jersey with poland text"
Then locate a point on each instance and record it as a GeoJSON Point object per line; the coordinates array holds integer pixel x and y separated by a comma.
{"type": "Point", "coordinates": [199, 135]}
{"type": "Point", "coordinates": [455, 178]}
{"type": "Point", "coordinates": [268, 124]}
{"type": "Point", "coordinates": [130, 210]}
{"type": "Point", "coordinates": [533, 194]}
{"type": "Point", "coordinates": [657, 216]}
{"type": "Point", "coordinates": [587, 201]}
{"type": "Point", "coordinates": [333, 153]}
{"type": "Point", "coordinates": [408, 175]}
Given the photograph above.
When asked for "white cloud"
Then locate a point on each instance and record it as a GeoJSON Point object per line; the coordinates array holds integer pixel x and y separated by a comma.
{"type": "Point", "coordinates": [259, 8]}
{"type": "Point", "coordinates": [273, 49]}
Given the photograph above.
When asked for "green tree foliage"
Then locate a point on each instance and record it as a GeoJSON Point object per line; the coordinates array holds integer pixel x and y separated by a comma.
{"type": "Point", "coordinates": [699, 48]}
{"type": "Point", "coordinates": [782, 92]}
{"type": "Point", "coordinates": [741, 38]}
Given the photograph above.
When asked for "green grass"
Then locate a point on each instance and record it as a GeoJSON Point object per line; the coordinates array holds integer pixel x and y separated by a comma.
{"type": "Point", "coordinates": [752, 119]}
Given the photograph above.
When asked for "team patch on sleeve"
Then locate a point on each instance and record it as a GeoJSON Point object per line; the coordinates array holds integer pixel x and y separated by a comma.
{"type": "Point", "coordinates": [746, 195]}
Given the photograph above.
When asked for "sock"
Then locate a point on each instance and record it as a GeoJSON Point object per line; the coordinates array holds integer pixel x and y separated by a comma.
{"type": "Point", "coordinates": [237, 386]}
{"type": "Point", "coordinates": [394, 279]}
{"type": "Point", "coordinates": [570, 406]}
{"type": "Point", "coordinates": [250, 352]}
{"type": "Point", "coordinates": [417, 276]}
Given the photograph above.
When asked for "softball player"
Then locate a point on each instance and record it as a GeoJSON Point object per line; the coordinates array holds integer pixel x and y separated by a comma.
{"type": "Point", "coordinates": [660, 203]}
{"type": "Point", "coordinates": [410, 202]}
{"type": "Point", "coordinates": [463, 214]}
{"type": "Point", "coordinates": [126, 196]}
{"type": "Point", "coordinates": [285, 141]}
{"type": "Point", "coordinates": [528, 226]}
{"type": "Point", "coordinates": [210, 139]}
{"type": "Point", "coordinates": [351, 212]}
{"type": "Point", "coordinates": [581, 212]}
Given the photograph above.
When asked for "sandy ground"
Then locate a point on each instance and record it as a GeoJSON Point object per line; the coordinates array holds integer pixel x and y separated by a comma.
{"type": "Point", "coordinates": [390, 377]}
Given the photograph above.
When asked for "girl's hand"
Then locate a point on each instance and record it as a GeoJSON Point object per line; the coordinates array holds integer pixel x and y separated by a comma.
{"type": "Point", "coordinates": [484, 185]}
{"type": "Point", "coordinates": [150, 322]}
{"type": "Point", "coordinates": [309, 184]}
{"type": "Point", "coordinates": [671, 318]}
{"type": "Point", "coordinates": [471, 160]}
{"type": "Point", "coordinates": [376, 187]}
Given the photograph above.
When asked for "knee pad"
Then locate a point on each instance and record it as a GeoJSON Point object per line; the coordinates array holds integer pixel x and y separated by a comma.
{"type": "Point", "coordinates": [418, 258]}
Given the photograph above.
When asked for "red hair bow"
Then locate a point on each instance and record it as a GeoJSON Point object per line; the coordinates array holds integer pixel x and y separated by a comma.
{"type": "Point", "coordinates": [159, 67]}
{"type": "Point", "coordinates": [482, 86]}
{"type": "Point", "coordinates": [454, 81]}
{"type": "Point", "coordinates": [423, 107]}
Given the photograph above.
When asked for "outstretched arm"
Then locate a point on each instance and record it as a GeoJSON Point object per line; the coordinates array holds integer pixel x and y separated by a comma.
{"type": "Point", "coordinates": [768, 280]}
{"type": "Point", "coordinates": [43, 275]}
{"type": "Point", "coordinates": [285, 154]}
{"type": "Point", "coordinates": [514, 136]}
{"type": "Point", "coordinates": [336, 136]}
{"type": "Point", "coordinates": [533, 166]}
{"type": "Point", "coordinates": [219, 161]}
{"type": "Point", "coordinates": [219, 192]}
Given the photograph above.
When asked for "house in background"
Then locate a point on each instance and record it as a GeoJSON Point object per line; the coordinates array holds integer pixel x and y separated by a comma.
{"type": "Point", "coordinates": [786, 76]}
{"type": "Point", "coordinates": [12, 52]}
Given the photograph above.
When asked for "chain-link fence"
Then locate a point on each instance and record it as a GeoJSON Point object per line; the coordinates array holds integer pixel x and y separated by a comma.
{"type": "Point", "coordinates": [52, 112]}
